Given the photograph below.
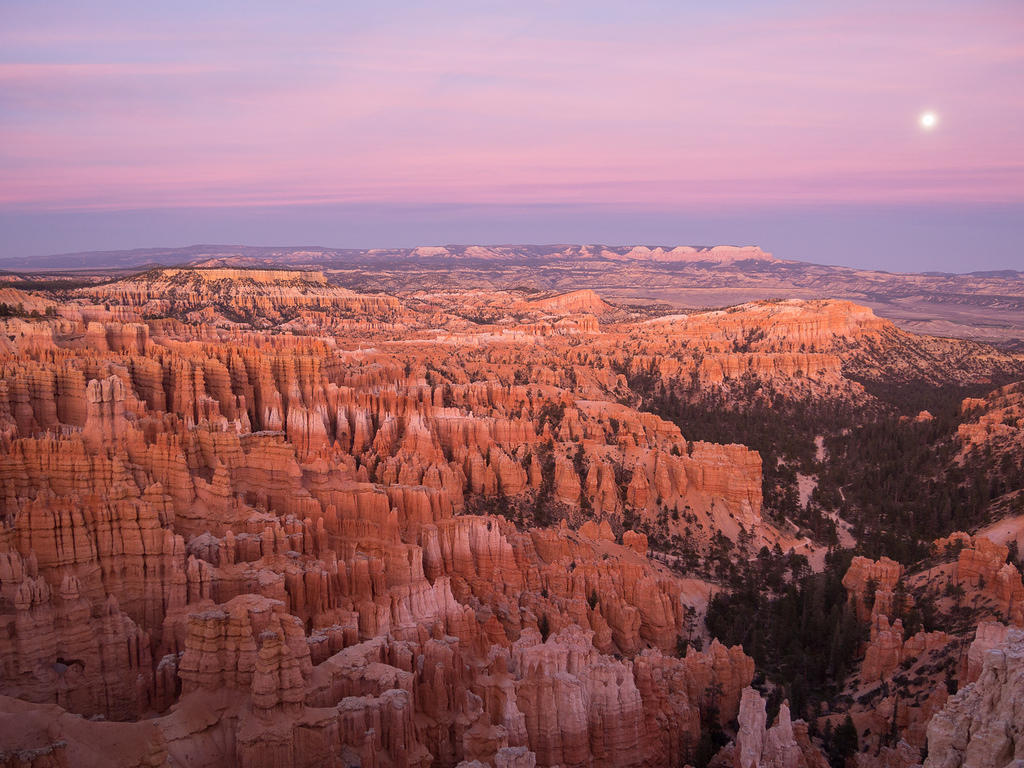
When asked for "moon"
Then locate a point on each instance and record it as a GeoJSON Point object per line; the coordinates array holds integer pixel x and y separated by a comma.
{"type": "Point", "coordinates": [929, 120]}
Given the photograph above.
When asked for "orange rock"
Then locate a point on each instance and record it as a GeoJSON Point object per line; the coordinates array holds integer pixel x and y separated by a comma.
{"type": "Point", "coordinates": [883, 573]}
{"type": "Point", "coordinates": [635, 541]}
{"type": "Point", "coordinates": [240, 498]}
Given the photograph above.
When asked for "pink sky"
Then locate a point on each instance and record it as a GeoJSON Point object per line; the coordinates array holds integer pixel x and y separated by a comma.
{"type": "Point", "coordinates": [120, 106]}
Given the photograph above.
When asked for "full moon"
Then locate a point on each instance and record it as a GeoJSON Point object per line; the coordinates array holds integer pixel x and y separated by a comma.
{"type": "Point", "coordinates": [929, 120]}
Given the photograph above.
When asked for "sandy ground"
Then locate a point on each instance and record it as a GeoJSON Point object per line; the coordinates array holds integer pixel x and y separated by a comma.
{"type": "Point", "coordinates": [1006, 530]}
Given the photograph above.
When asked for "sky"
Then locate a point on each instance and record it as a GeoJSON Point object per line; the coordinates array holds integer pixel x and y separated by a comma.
{"type": "Point", "coordinates": [792, 125]}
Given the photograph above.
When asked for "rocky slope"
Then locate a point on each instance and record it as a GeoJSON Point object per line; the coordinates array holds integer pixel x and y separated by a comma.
{"type": "Point", "coordinates": [262, 544]}
{"type": "Point", "coordinates": [982, 306]}
{"type": "Point", "coordinates": [900, 696]}
{"type": "Point", "coordinates": [260, 298]}
{"type": "Point", "coordinates": [995, 422]}
{"type": "Point", "coordinates": [983, 725]}
{"type": "Point", "coordinates": [249, 517]}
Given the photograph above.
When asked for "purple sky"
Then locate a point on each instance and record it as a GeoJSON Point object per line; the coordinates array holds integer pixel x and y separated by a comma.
{"type": "Point", "coordinates": [791, 125]}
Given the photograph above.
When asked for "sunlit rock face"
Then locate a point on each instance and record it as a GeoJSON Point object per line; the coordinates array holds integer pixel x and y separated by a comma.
{"type": "Point", "coordinates": [253, 518]}
{"type": "Point", "coordinates": [980, 725]}
{"type": "Point", "coordinates": [783, 745]}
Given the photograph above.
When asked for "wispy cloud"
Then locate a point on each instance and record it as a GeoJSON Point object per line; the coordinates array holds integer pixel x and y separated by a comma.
{"type": "Point", "coordinates": [657, 105]}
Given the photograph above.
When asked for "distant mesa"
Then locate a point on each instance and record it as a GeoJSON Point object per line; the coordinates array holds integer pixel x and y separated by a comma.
{"type": "Point", "coordinates": [583, 301]}
{"type": "Point", "coordinates": [798, 321]}
{"type": "Point", "coordinates": [720, 254]}
{"type": "Point", "coordinates": [243, 256]}
{"type": "Point", "coordinates": [229, 261]}
{"type": "Point", "coordinates": [214, 274]}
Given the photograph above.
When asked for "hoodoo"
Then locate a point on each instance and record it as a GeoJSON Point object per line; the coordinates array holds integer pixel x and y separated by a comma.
{"type": "Point", "coordinates": [254, 517]}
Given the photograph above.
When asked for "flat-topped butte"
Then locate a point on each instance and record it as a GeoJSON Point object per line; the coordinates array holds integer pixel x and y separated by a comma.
{"type": "Point", "coordinates": [256, 275]}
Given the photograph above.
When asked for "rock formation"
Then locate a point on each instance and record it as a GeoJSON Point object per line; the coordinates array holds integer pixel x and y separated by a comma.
{"type": "Point", "coordinates": [251, 517]}
{"type": "Point", "coordinates": [981, 724]}
{"type": "Point", "coordinates": [264, 546]}
{"type": "Point", "coordinates": [784, 745]}
{"type": "Point", "coordinates": [870, 585]}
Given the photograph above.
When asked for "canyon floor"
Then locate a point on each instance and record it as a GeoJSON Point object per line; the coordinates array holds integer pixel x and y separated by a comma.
{"type": "Point", "coordinates": [510, 506]}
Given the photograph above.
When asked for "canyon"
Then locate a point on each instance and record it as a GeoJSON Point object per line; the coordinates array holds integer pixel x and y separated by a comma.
{"type": "Point", "coordinates": [985, 306]}
{"type": "Point", "coordinates": [272, 510]}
